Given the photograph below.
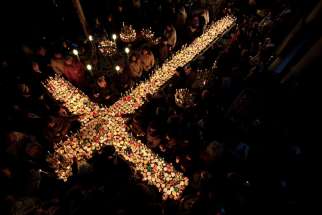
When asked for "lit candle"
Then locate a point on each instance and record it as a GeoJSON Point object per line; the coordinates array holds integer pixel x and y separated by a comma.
{"type": "Point", "coordinates": [127, 50]}
{"type": "Point", "coordinates": [114, 37]}
{"type": "Point", "coordinates": [75, 52]}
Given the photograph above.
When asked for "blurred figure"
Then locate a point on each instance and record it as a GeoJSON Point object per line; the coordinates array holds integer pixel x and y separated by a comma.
{"type": "Point", "coordinates": [170, 36]}
{"type": "Point", "coordinates": [74, 71]}
{"type": "Point", "coordinates": [203, 20]}
{"type": "Point", "coordinates": [205, 15]}
{"type": "Point", "coordinates": [42, 58]}
{"type": "Point", "coordinates": [57, 63]}
{"type": "Point", "coordinates": [110, 24]}
{"type": "Point", "coordinates": [135, 67]}
{"type": "Point", "coordinates": [213, 151]}
{"type": "Point", "coordinates": [164, 50]}
{"type": "Point", "coordinates": [37, 74]}
{"type": "Point", "coordinates": [147, 59]}
{"type": "Point", "coordinates": [57, 127]}
{"type": "Point", "coordinates": [153, 137]}
{"type": "Point", "coordinates": [136, 4]}
{"type": "Point", "coordinates": [181, 17]}
{"type": "Point", "coordinates": [193, 29]}
{"type": "Point", "coordinates": [185, 76]}
{"type": "Point", "coordinates": [103, 92]}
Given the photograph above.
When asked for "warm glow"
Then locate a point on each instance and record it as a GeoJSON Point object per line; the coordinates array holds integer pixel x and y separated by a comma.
{"type": "Point", "coordinates": [127, 50]}
{"type": "Point", "coordinates": [128, 34]}
{"type": "Point", "coordinates": [90, 37]}
{"type": "Point", "coordinates": [75, 51]}
{"type": "Point", "coordinates": [89, 67]}
{"type": "Point", "coordinates": [107, 47]}
{"type": "Point", "coordinates": [107, 126]}
{"type": "Point", "coordinates": [114, 36]}
{"type": "Point", "coordinates": [74, 99]}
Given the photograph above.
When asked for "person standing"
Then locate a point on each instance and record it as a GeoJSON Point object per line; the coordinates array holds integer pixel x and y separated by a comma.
{"type": "Point", "coordinates": [74, 71]}
{"type": "Point", "coordinates": [135, 67]}
{"type": "Point", "coordinates": [170, 35]}
{"type": "Point", "coordinates": [147, 59]}
{"type": "Point", "coordinates": [181, 17]}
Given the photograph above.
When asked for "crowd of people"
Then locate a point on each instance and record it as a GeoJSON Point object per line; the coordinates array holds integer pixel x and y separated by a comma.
{"type": "Point", "coordinates": [212, 137]}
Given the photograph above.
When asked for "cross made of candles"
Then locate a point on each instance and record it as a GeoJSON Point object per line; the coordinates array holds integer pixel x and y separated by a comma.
{"type": "Point", "coordinates": [107, 125]}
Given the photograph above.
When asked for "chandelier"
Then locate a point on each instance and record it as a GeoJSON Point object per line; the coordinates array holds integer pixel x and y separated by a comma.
{"type": "Point", "coordinates": [107, 47]}
{"type": "Point", "coordinates": [128, 34]}
{"type": "Point", "coordinates": [147, 33]}
{"type": "Point", "coordinates": [183, 98]}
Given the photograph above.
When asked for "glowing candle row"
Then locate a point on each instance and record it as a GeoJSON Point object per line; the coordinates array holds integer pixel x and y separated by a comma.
{"type": "Point", "coordinates": [72, 98]}
{"type": "Point", "coordinates": [110, 129]}
{"type": "Point", "coordinates": [136, 98]}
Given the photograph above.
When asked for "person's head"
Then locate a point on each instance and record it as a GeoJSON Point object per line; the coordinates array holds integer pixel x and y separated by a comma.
{"type": "Point", "coordinates": [252, 2]}
{"type": "Point", "coordinates": [180, 71]}
{"type": "Point", "coordinates": [51, 122]}
{"type": "Point", "coordinates": [101, 82]}
{"type": "Point", "coordinates": [133, 58]}
{"type": "Point", "coordinates": [182, 9]}
{"type": "Point", "coordinates": [187, 69]}
{"type": "Point", "coordinates": [58, 55]}
{"type": "Point", "coordinates": [15, 136]}
{"type": "Point", "coordinates": [110, 18]}
{"type": "Point", "coordinates": [204, 94]}
{"type": "Point", "coordinates": [168, 28]}
{"type": "Point", "coordinates": [120, 8]}
{"type": "Point", "coordinates": [145, 51]}
{"type": "Point", "coordinates": [69, 60]}
{"type": "Point", "coordinates": [42, 51]}
{"type": "Point", "coordinates": [34, 150]}
{"type": "Point", "coordinates": [195, 21]}
{"type": "Point", "coordinates": [27, 50]}
{"type": "Point", "coordinates": [268, 40]}
{"type": "Point", "coordinates": [137, 119]}
{"type": "Point", "coordinates": [25, 90]}
{"type": "Point", "coordinates": [35, 67]}
{"type": "Point", "coordinates": [153, 127]}
{"type": "Point", "coordinates": [62, 111]}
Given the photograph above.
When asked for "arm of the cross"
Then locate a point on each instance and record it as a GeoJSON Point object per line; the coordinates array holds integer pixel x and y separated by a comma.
{"type": "Point", "coordinates": [80, 145]}
{"type": "Point", "coordinates": [136, 98]}
{"type": "Point", "coordinates": [112, 131]}
{"type": "Point", "coordinates": [72, 98]}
